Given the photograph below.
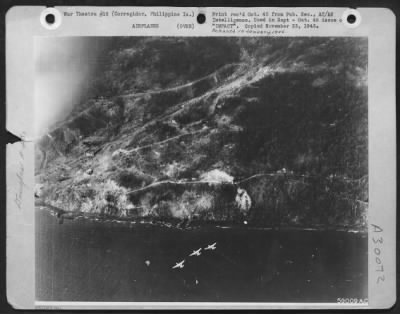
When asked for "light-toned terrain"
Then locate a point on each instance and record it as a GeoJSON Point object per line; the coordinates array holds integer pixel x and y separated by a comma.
{"type": "Point", "coordinates": [276, 135]}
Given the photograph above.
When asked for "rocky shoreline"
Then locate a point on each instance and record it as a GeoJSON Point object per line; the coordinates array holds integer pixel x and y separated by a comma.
{"type": "Point", "coordinates": [186, 224]}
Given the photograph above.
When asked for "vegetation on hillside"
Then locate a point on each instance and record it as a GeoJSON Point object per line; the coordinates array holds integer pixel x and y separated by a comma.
{"type": "Point", "coordinates": [268, 130]}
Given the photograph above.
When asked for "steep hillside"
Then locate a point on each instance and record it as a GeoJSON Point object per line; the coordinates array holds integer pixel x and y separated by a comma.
{"type": "Point", "coordinates": [271, 131]}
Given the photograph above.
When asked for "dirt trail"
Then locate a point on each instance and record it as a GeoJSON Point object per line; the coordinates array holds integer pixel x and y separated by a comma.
{"type": "Point", "coordinates": [166, 140]}
{"type": "Point", "coordinates": [213, 76]}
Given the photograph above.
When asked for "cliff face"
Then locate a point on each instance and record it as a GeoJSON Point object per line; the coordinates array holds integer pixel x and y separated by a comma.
{"type": "Point", "coordinates": [263, 129]}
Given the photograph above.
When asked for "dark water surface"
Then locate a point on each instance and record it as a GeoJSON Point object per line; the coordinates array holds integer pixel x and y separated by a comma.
{"type": "Point", "coordinates": [86, 260]}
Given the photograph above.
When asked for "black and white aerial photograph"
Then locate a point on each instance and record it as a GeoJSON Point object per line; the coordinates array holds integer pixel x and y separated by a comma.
{"type": "Point", "coordinates": [201, 169]}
